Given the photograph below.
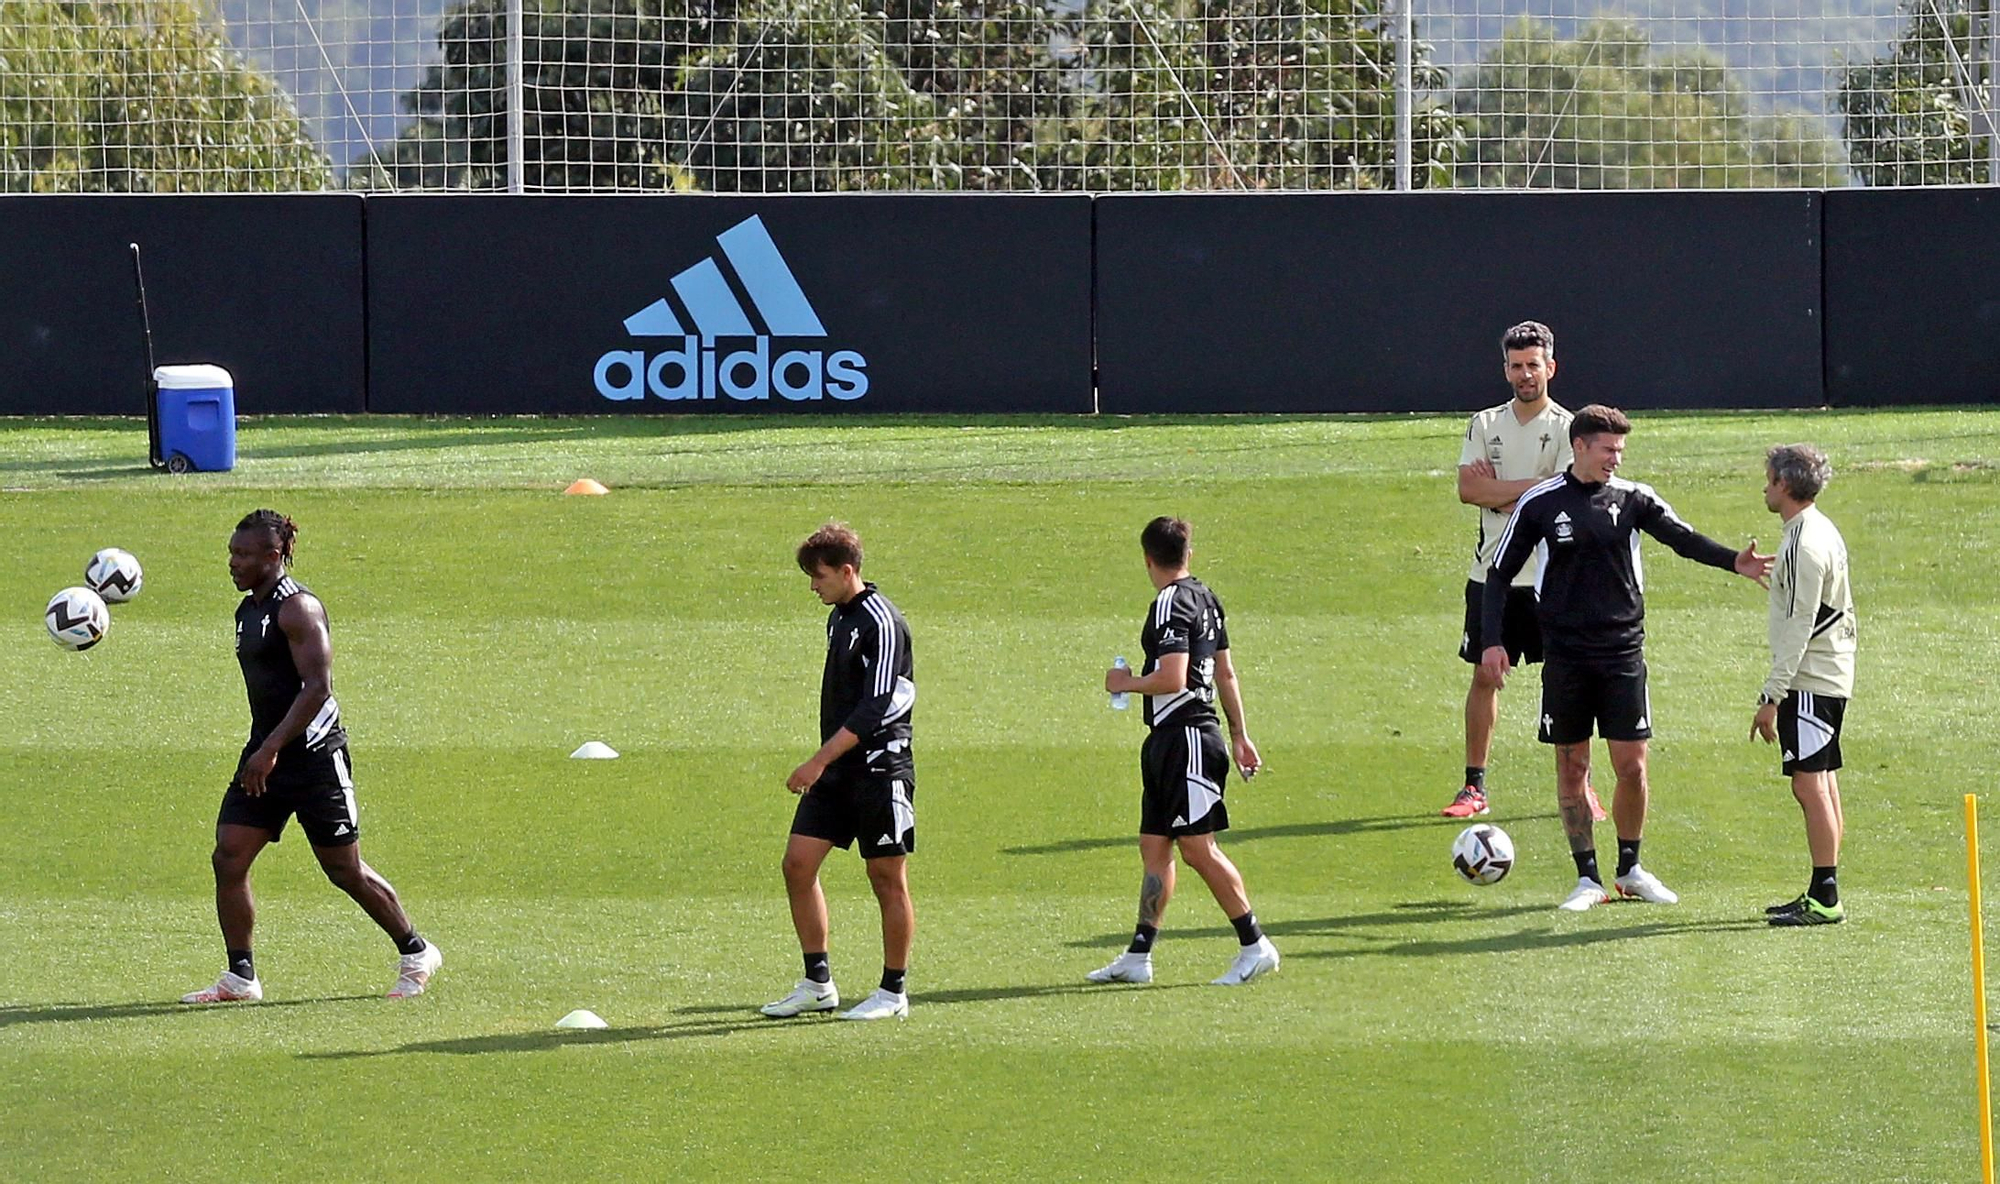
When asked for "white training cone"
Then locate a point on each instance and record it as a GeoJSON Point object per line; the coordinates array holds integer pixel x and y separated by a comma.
{"type": "Point", "coordinates": [581, 1018]}
{"type": "Point", "coordinates": [595, 750]}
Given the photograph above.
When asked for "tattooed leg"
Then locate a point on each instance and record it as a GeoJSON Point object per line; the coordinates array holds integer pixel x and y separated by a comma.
{"type": "Point", "coordinates": [1156, 885]}
{"type": "Point", "coordinates": [1572, 774]}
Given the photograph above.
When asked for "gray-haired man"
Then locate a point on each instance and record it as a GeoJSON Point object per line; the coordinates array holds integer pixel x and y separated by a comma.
{"type": "Point", "coordinates": [1812, 634]}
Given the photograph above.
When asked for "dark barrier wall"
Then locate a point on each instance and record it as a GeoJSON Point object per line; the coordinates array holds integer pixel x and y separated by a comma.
{"type": "Point", "coordinates": [1912, 296]}
{"type": "Point", "coordinates": [704, 304]}
{"type": "Point", "coordinates": [268, 287]}
{"type": "Point", "coordinates": [1396, 302]}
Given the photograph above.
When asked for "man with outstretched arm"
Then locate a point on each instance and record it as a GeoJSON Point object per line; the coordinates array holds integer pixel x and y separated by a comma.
{"type": "Point", "coordinates": [1583, 523]}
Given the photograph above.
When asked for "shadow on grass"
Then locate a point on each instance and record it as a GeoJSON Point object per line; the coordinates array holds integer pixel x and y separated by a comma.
{"type": "Point", "coordinates": [552, 1038]}
{"type": "Point", "coordinates": [750, 1021]}
{"type": "Point", "coordinates": [1427, 912]}
{"type": "Point", "coordinates": [1250, 834]}
{"type": "Point", "coordinates": [58, 1013]}
{"type": "Point", "coordinates": [1537, 939]}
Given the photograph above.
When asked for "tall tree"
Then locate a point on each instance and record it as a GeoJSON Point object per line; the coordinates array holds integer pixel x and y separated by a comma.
{"type": "Point", "coordinates": [597, 78]}
{"type": "Point", "coordinates": [1917, 115]}
{"type": "Point", "coordinates": [821, 95]}
{"type": "Point", "coordinates": [135, 96]}
{"type": "Point", "coordinates": [1607, 111]}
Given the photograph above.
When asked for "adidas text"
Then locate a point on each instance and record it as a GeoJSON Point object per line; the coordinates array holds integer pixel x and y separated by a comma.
{"type": "Point", "coordinates": [695, 371]}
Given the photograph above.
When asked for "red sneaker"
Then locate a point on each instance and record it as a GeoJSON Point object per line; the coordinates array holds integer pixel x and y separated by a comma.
{"type": "Point", "coordinates": [1597, 813]}
{"type": "Point", "coordinates": [1470, 803]}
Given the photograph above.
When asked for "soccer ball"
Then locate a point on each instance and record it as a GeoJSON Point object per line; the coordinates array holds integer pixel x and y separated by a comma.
{"type": "Point", "coordinates": [114, 575]}
{"type": "Point", "coordinates": [1483, 854]}
{"type": "Point", "coordinates": [77, 618]}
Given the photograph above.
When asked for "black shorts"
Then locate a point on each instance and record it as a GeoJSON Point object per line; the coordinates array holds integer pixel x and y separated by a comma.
{"type": "Point", "coordinates": [1185, 768]}
{"type": "Point", "coordinates": [877, 809]}
{"type": "Point", "coordinates": [316, 786]}
{"type": "Point", "coordinates": [1809, 732]}
{"type": "Point", "coordinates": [1520, 629]}
{"type": "Point", "coordinates": [1606, 693]}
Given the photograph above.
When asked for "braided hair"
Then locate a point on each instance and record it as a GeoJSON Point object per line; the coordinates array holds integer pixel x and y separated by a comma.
{"type": "Point", "coordinates": [280, 525]}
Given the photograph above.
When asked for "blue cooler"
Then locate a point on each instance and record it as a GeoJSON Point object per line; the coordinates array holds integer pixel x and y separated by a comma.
{"type": "Point", "coordinates": [197, 409]}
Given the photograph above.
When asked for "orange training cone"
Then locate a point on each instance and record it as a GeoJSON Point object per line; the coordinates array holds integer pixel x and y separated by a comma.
{"type": "Point", "coordinates": [587, 487]}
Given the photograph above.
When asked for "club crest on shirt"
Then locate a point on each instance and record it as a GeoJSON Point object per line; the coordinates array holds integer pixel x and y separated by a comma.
{"type": "Point", "coordinates": [1613, 511]}
{"type": "Point", "coordinates": [1565, 531]}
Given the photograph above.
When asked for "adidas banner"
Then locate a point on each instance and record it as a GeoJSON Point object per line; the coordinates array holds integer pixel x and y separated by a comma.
{"type": "Point", "coordinates": [697, 304]}
{"type": "Point", "coordinates": [1396, 302]}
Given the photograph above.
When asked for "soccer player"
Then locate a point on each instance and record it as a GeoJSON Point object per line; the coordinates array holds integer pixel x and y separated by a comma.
{"type": "Point", "coordinates": [296, 762]}
{"type": "Point", "coordinates": [1508, 450]}
{"type": "Point", "coordinates": [1812, 634]}
{"type": "Point", "coordinates": [1583, 522]}
{"type": "Point", "coordinates": [861, 784]}
{"type": "Point", "coordinates": [1184, 765]}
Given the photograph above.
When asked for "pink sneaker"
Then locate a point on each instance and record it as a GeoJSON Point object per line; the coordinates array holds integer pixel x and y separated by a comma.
{"type": "Point", "coordinates": [1470, 803]}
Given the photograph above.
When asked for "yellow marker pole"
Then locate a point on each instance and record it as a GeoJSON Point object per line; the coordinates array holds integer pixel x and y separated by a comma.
{"type": "Point", "coordinates": [1979, 986]}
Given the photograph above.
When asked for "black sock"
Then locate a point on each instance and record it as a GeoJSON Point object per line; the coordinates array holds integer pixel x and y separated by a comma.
{"type": "Point", "coordinates": [1246, 929]}
{"type": "Point", "coordinates": [1825, 888]}
{"type": "Point", "coordinates": [1475, 776]}
{"type": "Point", "coordinates": [1143, 938]}
{"type": "Point", "coordinates": [241, 965]}
{"type": "Point", "coordinates": [1586, 865]}
{"type": "Point", "coordinates": [892, 980]}
{"type": "Point", "coordinates": [818, 969]}
{"type": "Point", "coordinates": [1628, 855]}
{"type": "Point", "coordinates": [413, 944]}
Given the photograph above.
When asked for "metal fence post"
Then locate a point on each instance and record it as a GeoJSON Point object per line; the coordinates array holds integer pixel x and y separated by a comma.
{"type": "Point", "coordinates": [516, 137]}
{"type": "Point", "coordinates": [1405, 102]}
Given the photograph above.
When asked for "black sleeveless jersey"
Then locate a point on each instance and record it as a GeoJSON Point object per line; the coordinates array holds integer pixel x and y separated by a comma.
{"type": "Point", "coordinates": [271, 678]}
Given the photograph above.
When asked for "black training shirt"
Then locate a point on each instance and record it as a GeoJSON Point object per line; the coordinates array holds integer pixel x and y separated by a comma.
{"type": "Point", "coordinates": [1591, 588]}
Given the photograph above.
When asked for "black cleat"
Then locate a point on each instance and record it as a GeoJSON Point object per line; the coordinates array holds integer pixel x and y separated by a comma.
{"type": "Point", "coordinates": [1811, 912]}
{"type": "Point", "coordinates": [1791, 906]}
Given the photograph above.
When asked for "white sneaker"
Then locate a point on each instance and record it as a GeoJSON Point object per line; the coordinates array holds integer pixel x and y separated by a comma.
{"type": "Point", "coordinates": [1260, 958]}
{"type": "Point", "coordinates": [1127, 967]}
{"type": "Point", "coordinates": [414, 971]}
{"type": "Point", "coordinates": [880, 1005]}
{"type": "Point", "coordinates": [230, 988]}
{"type": "Point", "coordinates": [1646, 886]}
{"type": "Point", "coordinates": [807, 996]}
{"type": "Point", "coordinates": [1587, 892]}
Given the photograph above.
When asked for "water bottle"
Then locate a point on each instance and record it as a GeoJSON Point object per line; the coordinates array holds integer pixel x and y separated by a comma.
{"type": "Point", "coordinates": [1119, 699]}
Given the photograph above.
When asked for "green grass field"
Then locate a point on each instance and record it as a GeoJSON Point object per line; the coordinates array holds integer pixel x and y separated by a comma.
{"type": "Point", "coordinates": [1421, 1029]}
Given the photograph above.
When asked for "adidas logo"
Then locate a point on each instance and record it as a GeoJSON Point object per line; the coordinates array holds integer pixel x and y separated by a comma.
{"type": "Point", "coordinates": [704, 309]}
{"type": "Point", "coordinates": [886, 841]}
{"type": "Point", "coordinates": [342, 829]}
{"type": "Point", "coordinates": [1562, 516]}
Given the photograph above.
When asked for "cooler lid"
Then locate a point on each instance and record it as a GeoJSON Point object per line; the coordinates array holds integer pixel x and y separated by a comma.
{"type": "Point", "coordinates": [200, 377]}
